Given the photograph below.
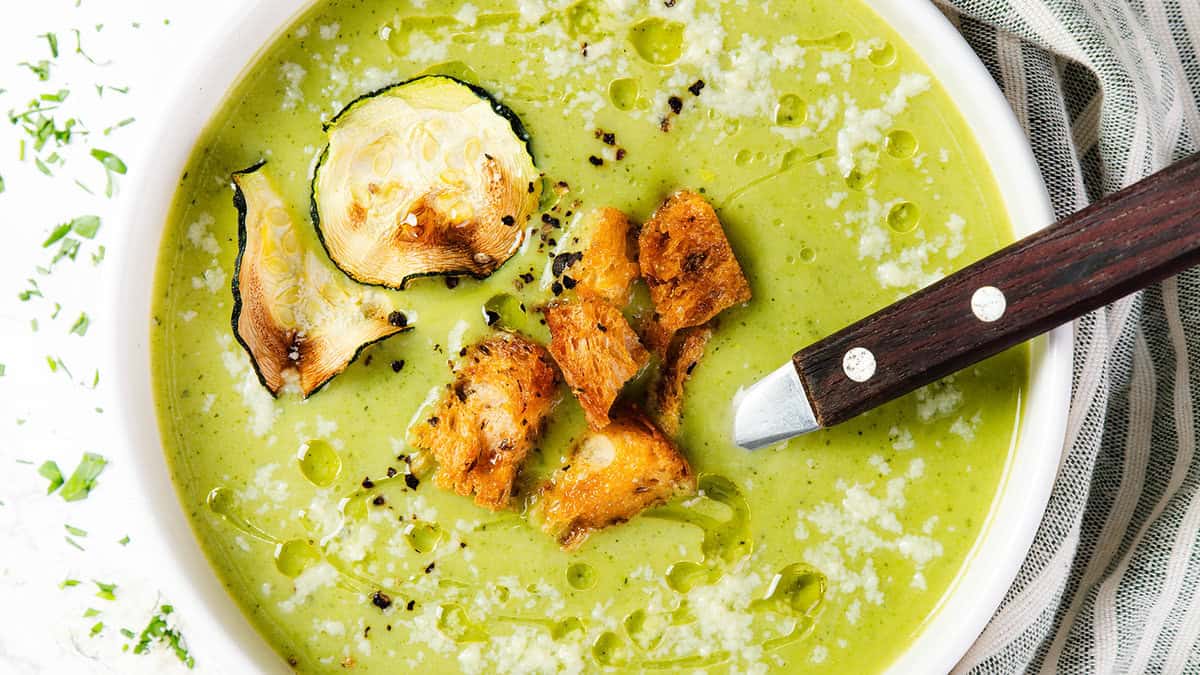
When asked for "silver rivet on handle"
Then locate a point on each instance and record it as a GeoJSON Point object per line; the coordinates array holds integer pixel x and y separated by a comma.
{"type": "Point", "coordinates": [989, 304]}
{"type": "Point", "coordinates": [859, 364]}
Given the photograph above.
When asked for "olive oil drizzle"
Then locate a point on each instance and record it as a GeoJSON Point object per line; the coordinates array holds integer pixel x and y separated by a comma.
{"type": "Point", "coordinates": [795, 593]}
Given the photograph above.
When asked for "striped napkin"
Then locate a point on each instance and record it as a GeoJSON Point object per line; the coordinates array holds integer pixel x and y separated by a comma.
{"type": "Point", "coordinates": [1108, 91]}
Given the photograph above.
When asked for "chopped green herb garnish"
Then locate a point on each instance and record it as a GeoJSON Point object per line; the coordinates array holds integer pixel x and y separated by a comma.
{"type": "Point", "coordinates": [50, 471]}
{"type": "Point", "coordinates": [68, 583]}
{"type": "Point", "coordinates": [109, 160]}
{"type": "Point", "coordinates": [158, 630]}
{"type": "Point", "coordinates": [56, 234]}
{"type": "Point", "coordinates": [107, 591]}
{"type": "Point", "coordinates": [74, 543]}
{"type": "Point", "coordinates": [68, 249]}
{"type": "Point", "coordinates": [79, 49]}
{"type": "Point", "coordinates": [75, 531]}
{"type": "Point", "coordinates": [41, 69]}
{"type": "Point", "coordinates": [86, 226]}
{"type": "Point", "coordinates": [90, 613]}
{"type": "Point", "coordinates": [81, 324]}
{"type": "Point", "coordinates": [97, 628]}
{"type": "Point", "coordinates": [118, 125]}
{"type": "Point", "coordinates": [55, 363]}
{"type": "Point", "coordinates": [128, 633]}
{"type": "Point", "coordinates": [52, 40]}
{"type": "Point", "coordinates": [57, 309]}
{"type": "Point", "coordinates": [98, 255]}
{"type": "Point", "coordinates": [1, 370]}
{"type": "Point", "coordinates": [32, 292]}
{"type": "Point", "coordinates": [1, 184]}
{"type": "Point", "coordinates": [83, 479]}
{"type": "Point", "coordinates": [124, 541]}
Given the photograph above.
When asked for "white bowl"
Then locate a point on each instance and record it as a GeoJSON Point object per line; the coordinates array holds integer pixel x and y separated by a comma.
{"type": "Point", "coordinates": [216, 627]}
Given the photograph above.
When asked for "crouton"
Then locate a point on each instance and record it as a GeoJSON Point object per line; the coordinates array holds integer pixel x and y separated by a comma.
{"type": "Point", "coordinates": [688, 263]}
{"type": "Point", "coordinates": [597, 351]}
{"type": "Point", "coordinates": [655, 337]}
{"type": "Point", "coordinates": [607, 269]}
{"type": "Point", "coordinates": [611, 476]}
{"type": "Point", "coordinates": [685, 352]}
{"type": "Point", "coordinates": [489, 418]}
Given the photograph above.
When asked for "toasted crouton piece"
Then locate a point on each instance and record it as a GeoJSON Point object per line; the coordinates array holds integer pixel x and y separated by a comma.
{"type": "Point", "coordinates": [607, 269]}
{"type": "Point", "coordinates": [489, 417]}
{"type": "Point", "coordinates": [655, 337]}
{"type": "Point", "coordinates": [688, 263]}
{"type": "Point", "coordinates": [612, 476]}
{"type": "Point", "coordinates": [685, 352]}
{"type": "Point", "coordinates": [597, 351]}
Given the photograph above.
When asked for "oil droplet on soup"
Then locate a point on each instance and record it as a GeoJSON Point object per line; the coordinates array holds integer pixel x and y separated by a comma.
{"type": "Point", "coordinates": [901, 144]}
{"type": "Point", "coordinates": [624, 93]}
{"type": "Point", "coordinates": [658, 41]}
{"type": "Point", "coordinates": [294, 556]}
{"type": "Point", "coordinates": [581, 576]}
{"type": "Point", "coordinates": [319, 463]}
{"type": "Point", "coordinates": [904, 217]}
{"type": "Point", "coordinates": [423, 537]}
{"type": "Point", "coordinates": [883, 56]}
{"type": "Point", "coordinates": [791, 111]}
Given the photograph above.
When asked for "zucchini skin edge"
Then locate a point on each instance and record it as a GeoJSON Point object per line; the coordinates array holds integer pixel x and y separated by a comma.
{"type": "Point", "coordinates": [497, 107]}
{"type": "Point", "coordinates": [239, 203]}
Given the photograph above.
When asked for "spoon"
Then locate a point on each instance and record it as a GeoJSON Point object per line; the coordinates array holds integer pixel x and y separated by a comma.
{"type": "Point", "coordinates": [1121, 244]}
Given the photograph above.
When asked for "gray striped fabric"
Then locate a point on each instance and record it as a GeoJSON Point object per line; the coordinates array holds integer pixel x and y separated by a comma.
{"type": "Point", "coordinates": [1108, 92]}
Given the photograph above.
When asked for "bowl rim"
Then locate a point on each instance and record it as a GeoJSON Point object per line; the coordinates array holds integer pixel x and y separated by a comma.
{"type": "Point", "coordinates": [216, 626]}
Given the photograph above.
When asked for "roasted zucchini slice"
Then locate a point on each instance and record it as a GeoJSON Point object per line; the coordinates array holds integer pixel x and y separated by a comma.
{"type": "Point", "coordinates": [299, 319]}
{"type": "Point", "coordinates": [430, 176]}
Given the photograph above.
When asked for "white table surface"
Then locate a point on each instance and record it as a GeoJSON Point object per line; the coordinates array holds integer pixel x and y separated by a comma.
{"type": "Point", "coordinates": [50, 415]}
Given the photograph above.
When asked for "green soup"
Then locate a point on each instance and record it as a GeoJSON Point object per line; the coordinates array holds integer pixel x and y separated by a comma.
{"type": "Point", "coordinates": [845, 179]}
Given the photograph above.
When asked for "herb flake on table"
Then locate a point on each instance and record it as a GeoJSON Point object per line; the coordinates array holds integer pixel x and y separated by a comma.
{"type": "Point", "coordinates": [107, 591]}
{"type": "Point", "coordinates": [50, 471]}
{"type": "Point", "coordinates": [81, 324]}
{"type": "Point", "coordinates": [84, 477]}
{"type": "Point", "coordinates": [160, 631]}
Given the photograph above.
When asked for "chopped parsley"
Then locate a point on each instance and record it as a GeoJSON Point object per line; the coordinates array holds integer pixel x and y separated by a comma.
{"type": "Point", "coordinates": [68, 583]}
{"type": "Point", "coordinates": [49, 470]}
{"type": "Point", "coordinates": [75, 531]}
{"type": "Point", "coordinates": [86, 226]}
{"type": "Point", "coordinates": [81, 324]}
{"type": "Point", "coordinates": [41, 69]}
{"type": "Point", "coordinates": [83, 479]}
{"type": "Point", "coordinates": [107, 591]}
{"type": "Point", "coordinates": [99, 626]}
{"type": "Point", "coordinates": [57, 234]}
{"type": "Point", "coordinates": [90, 613]}
{"type": "Point", "coordinates": [32, 292]}
{"type": "Point", "coordinates": [160, 631]}
{"type": "Point", "coordinates": [110, 161]}
{"type": "Point", "coordinates": [124, 541]}
{"type": "Point", "coordinates": [52, 40]}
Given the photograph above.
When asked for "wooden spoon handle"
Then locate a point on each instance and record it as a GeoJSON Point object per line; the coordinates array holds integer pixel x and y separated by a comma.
{"type": "Point", "coordinates": [1119, 245]}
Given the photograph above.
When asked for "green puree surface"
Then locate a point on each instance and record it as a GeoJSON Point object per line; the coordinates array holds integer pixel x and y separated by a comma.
{"type": "Point", "coordinates": [845, 180]}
